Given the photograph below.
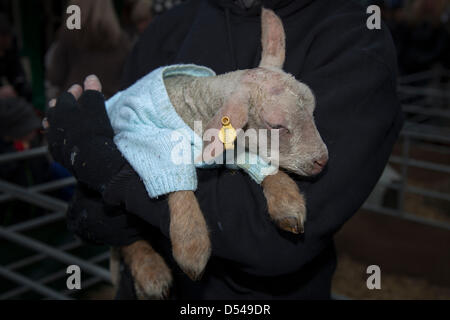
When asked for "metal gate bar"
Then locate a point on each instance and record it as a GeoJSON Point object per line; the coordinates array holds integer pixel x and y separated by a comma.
{"type": "Point", "coordinates": [33, 285]}
{"type": "Point", "coordinates": [27, 154]}
{"type": "Point", "coordinates": [37, 199]}
{"type": "Point", "coordinates": [40, 256]}
{"type": "Point", "coordinates": [421, 192]}
{"type": "Point", "coordinates": [48, 186]}
{"type": "Point", "coordinates": [406, 216]}
{"type": "Point", "coordinates": [439, 112]}
{"type": "Point", "coordinates": [54, 253]}
{"type": "Point", "coordinates": [430, 92]}
{"type": "Point", "coordinates": [33, 196]}
{"type": "Point", "coordinates": [37, 222]}
{"type": "Point", "coordinates": [56, 276]}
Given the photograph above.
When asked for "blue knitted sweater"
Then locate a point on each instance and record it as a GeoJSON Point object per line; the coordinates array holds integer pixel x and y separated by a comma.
{"type": "Point", "coordinates": [150, 134]}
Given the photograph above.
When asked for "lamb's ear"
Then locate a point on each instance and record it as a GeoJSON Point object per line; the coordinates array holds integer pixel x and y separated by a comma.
{"type": "Point", "coordinates": [273, 40]}
{"type": "Point", "coordinates": [236, 109]}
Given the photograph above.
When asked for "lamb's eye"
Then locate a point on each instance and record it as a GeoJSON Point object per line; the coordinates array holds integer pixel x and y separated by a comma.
{"type": "Point", "coordinates": [280, 127]}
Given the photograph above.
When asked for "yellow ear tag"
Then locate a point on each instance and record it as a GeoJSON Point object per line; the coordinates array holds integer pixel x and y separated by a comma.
{"type": "Point", "coordinates": [227, 134]}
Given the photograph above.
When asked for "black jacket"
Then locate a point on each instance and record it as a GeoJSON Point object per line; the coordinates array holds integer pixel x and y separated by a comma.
{"type": "Point", "coordinates": [351, 70]}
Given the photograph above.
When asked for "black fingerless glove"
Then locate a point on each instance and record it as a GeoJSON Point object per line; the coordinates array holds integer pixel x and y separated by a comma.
{"type": "Point", "coordinates": [80, 137]}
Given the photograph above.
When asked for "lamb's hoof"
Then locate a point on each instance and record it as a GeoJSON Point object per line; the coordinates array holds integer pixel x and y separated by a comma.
{"type": "Point", "coordinates": [152, 278]}
{"type": "Point", "coordinates": [192, 254]}
{"type": "Point", "coordinates": [286, 205]}
{"type": "Point", "coordinates": [291, 224]}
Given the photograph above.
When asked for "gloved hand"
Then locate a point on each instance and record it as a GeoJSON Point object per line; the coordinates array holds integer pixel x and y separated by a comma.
{"type": "Point", "coordinates": [80, 136]}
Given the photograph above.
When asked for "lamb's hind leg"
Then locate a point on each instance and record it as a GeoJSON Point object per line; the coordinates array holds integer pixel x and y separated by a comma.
{"type": "Point", "coordinates": [152, 277]}
{"type": "Point", "coordinates": [285, 203]}
{"type": "Point", "coordinates": [191, 246]}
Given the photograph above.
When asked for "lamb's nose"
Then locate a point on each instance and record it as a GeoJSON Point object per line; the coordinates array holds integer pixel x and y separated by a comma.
{"type": "Point", "coordinates": [319, 164]}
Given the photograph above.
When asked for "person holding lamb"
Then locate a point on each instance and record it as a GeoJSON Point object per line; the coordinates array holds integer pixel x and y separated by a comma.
{"type": "Point", "coordinates": [351, 72]}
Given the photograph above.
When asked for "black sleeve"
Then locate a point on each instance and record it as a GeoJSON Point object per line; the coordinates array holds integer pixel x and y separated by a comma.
{"type": "Point", "coordinates": [353, 75]}
{"type": "Point", "coordinates": [94, 222]}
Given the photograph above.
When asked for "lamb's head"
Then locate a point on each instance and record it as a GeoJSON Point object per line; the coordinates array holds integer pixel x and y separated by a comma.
{"type": "Point", "coordinates": [285, 104]}
{"type": "Point", "coordinates": [279, 102]}
{"type": "Point", "coordinates": [267, 97]}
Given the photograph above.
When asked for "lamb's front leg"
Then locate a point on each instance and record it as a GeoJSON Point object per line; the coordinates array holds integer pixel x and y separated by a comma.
{"type": "Point", "coordinates": [189, 235]}
{"type": "Point", "coordinates": [286, 204]}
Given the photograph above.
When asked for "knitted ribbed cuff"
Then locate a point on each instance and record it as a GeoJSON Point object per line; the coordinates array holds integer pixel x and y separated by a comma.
{"type": "Point", "coordinates": [257, 170]}
{"type": "Point", "coordinates": [166, 181]}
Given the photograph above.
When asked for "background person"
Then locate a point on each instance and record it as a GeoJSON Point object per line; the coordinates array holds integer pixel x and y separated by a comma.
{"type": "Point", "coordinates": [99, 47]}
{"type": "Point", "coordinates": [141, 15]}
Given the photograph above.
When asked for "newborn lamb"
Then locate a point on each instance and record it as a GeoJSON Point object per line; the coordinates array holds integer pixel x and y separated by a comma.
{"type": "Point", "coordinates": [145, 116]}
